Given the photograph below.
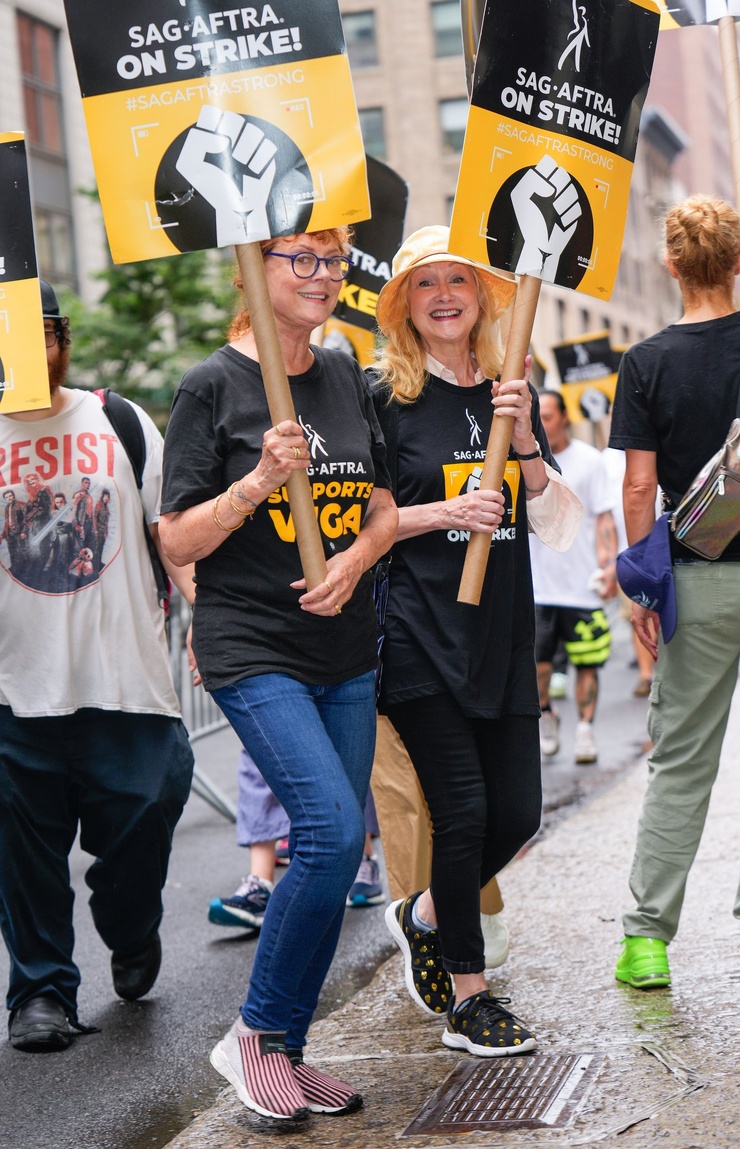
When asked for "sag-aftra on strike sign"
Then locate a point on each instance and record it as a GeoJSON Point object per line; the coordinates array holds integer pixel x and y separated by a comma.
{"type": "Point", "coordinates": [213, 125]}
{"type": "Point", "coordinates": [552, 131]}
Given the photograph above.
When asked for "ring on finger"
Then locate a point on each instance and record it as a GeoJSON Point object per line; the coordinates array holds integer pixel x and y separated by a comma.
{"type": "Point", "coordinates": [337, 609]}
{"type": "Point", "coordinates": [277, 428]}
{"type": "Point", "coordinates": [328, 584]}
{"type": "Point", "coordinates": [296, 452]}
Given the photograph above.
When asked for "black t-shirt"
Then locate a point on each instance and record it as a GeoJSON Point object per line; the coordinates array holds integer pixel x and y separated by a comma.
{"type": "Point", "coordinates": [677, 394]}
{"type": "Point", "coordinates": [483, 655]}
{"type": "Point", "coordinates": [247, 620]}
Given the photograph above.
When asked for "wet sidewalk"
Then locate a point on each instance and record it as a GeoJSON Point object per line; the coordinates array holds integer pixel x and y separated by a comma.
{"type": "Point", "coordinates": [668, 1060]}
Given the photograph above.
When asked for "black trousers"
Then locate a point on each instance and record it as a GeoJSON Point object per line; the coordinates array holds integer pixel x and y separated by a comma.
{"type": "Point", "coordinates": [123, 779]}
{"type": "Point", "coordinates": [482, 782]}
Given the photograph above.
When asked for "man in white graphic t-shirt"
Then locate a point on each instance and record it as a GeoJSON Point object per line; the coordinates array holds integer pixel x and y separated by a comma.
{"type": "Point", "coordinates": [570, 588]}
{"type": "Point", "coordinates": [90, 731]}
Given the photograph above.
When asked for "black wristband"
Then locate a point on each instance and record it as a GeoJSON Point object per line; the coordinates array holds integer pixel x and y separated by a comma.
{"type": "Point", "coordinates": [532, 455]}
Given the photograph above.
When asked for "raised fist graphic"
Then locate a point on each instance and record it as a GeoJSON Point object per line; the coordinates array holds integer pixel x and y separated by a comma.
{"type": "Point", "coordinates": [241, 211]}
{"type": "Point", "coordinates": [545, 239]}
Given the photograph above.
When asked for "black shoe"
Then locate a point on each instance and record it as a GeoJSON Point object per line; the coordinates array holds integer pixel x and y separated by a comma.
{"type": "Point", "coordinates": [135, 974]}
{"type": "Point", "coordinates": [427, 981]}
{"type": "Point", "coordinates": [40, 1026]}
{"type": "Point", "coordinates": [482, 1026]}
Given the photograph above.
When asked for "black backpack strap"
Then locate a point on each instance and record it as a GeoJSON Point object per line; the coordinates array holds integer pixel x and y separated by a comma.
{"type": "Point", "coordinates": [125, 422]}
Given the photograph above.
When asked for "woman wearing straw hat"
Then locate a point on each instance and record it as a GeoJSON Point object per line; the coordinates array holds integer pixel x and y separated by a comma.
{"type": "Point", "coordinates": [459, 682]}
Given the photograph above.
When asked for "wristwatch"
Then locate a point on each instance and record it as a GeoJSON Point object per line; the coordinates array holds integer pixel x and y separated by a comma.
{"type": "Point", "coordinates": [532, 455]}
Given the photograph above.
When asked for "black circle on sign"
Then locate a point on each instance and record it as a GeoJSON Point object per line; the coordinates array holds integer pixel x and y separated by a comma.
{"type": "Point", "coordinates": [289, 206]}
{"type": "Point", "coordinates": [504, 240]}
{"type": "Point", "coordinates": [2, 381]}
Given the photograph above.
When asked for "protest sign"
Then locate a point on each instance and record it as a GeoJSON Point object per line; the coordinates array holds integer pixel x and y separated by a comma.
{"type": "Point", "coordinates": [549, 148]}
{"type": "Point", "coordinates": [211, 127]}
{"type": "Point", "coordinates": [586, 368]}
{"type": "Point", "coordinates": [375, 243]}
{"type": "Point", "coordinates": [551, 137]}
{"type": "Point", "coordinates": [24, 377]}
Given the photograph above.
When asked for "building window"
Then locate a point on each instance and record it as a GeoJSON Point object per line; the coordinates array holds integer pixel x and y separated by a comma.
{"type": "Point", "coordinates": [42, 95]}
{"type": "Point", "coordinates": [44, 124]}
{"type": "Point", "coordinates": [54, 246]}
{"type": "Point", "coordinates": [359, 34]}
{"type": "Point", "coordinates": [453, 116]}
{"type": "Point", "coordinates": [447, 28]}
{"type": "Point", "coordinates": [373, 131]}
{"type": "Point", "coordinates": [585, 320]}
{"type": "Point", "coordinates": [560, 325]}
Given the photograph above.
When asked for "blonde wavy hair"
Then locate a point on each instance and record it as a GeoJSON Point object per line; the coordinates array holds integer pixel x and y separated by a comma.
{"type": "Point", "coordinates": [702, 241]}
{"type": "Point", "coordinates": [401, 358]}
{"type": "Point", "coordinates": [241, 323]}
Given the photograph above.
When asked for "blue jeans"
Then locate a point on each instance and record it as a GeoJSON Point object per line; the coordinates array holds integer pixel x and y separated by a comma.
{"type": "Point", "coordinates": [314, 745]}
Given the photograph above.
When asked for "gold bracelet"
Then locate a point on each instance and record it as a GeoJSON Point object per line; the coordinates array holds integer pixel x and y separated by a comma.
{"type": "Point", "coordinates": [232, 504]}
{"type": "Point", "coordinates": [217, 520]}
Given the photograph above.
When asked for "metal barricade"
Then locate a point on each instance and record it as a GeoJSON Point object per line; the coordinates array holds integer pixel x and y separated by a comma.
{"type": "Point", "coordinates": [200, 713]}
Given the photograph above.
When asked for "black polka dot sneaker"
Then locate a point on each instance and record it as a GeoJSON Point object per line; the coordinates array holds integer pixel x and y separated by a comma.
{"type": "Point", "coordinates": [427, 981]}
{"type": "Point", "coordinates": [482, 1026]}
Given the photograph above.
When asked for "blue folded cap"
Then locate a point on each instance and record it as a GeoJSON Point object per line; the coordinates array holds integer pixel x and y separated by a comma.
{"type": "Point", "coordinates": [645, 574]}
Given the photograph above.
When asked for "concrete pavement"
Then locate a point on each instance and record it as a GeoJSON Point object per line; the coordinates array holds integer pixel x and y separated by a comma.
{"type": "Point", "coordinates": [671, 1070]}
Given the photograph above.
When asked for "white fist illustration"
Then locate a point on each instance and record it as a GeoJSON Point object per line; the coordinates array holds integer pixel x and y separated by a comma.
{"type": "Point", "coordinates": [543, 247]}
{"type": "Point", "coordinates": [241, 213]}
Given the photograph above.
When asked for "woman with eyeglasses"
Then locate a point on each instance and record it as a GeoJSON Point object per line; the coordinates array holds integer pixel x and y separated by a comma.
{"type": "Point", "coordinates": [293, 670]}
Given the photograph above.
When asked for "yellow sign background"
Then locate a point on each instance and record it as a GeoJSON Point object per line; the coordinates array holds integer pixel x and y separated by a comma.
{"type": "Point", "coordinates": [22, 348]}
{"type": "Point", "coordinates": [131, 130]}
{"type": "Point", "coordinates": [457, 474]}
{"type": "Point", "coordinates": [496, 147]}
{"type": "Point", "coordinates": [363, 341]}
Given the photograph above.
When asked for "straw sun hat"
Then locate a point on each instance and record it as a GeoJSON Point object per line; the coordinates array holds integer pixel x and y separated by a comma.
{"type": "Point", "coordinates": [432, 245]}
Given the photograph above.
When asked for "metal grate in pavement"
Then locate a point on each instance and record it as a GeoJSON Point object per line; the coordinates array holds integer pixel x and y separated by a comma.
{"type": "Point", "coordinates": [531, 1092]}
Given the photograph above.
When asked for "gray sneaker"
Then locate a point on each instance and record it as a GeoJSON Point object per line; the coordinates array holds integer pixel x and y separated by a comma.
{"type": "Point", "coordinates": [366, 889]}
{"type": "Point", "coordinates": [549, 737]}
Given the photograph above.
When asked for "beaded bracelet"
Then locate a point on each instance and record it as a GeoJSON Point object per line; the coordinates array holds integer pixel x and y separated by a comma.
{"type": "Point", "coordinates": [232, 504]}
{"type": "Point", "coordinates": [537, 490]}
{"type": "Point", "coordinates": [217, 520]}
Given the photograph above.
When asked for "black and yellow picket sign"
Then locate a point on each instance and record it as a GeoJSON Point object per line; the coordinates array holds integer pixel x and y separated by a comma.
{"type": "Point", "coordinates": [588, 376]}
{"type": "Point", "coordinates": [213, 126]}
{"type": "Point", "coordinates": [24, 377]}
{"type": "Point", "coordinates": [375, 242]}
{"type": "Point", "coordinates": [683, 13]}
{"type": "Point", "coordinates": [551, 136]}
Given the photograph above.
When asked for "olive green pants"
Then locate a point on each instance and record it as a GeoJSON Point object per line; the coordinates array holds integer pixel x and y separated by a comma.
{"type": "Point", "coordinates": [690, 702]}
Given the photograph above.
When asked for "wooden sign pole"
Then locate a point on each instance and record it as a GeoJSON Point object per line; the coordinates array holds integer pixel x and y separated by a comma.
{"type": "Point", "coordinates": [731, 77]}
{"type": "Point", "coordinates": [497, 449]}
{"type": "Point", "coordinates": [280, 403]}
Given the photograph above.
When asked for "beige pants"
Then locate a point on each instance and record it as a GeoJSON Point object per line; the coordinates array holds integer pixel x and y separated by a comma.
{"type": "Point", "coordinates": [405, 826]}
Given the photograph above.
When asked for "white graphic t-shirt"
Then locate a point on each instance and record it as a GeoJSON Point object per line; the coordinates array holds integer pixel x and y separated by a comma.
{"type": "Point", "coordinates": [81, 624]}
{"type": "Point", "coordinates": [562, 579]}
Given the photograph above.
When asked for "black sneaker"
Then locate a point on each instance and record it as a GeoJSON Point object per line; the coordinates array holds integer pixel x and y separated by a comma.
{"type": "Point", "coordinates": [485, 1028]}
{"type": "Point", "coordinates": [427, 981]}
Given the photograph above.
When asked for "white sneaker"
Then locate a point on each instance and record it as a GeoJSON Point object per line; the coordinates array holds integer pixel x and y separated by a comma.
{"type": "Point", "coordinates": [558, 684]}
{"type": "Point", "coordinates": [495, 940]}
{"type": "Point", "coordinates": [585, 747]}
{"type": "Point", "coordinates": [549, 740]}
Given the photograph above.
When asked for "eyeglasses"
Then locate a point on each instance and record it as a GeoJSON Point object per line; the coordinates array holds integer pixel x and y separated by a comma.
{"type": "Point", "coordinates": [51, 337]}
{"type": "Point", "coordinates": [305, 264]}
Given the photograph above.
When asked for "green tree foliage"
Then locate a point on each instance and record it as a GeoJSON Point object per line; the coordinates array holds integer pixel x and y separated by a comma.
{"type": "Point", "coordinates": [153, 321]}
